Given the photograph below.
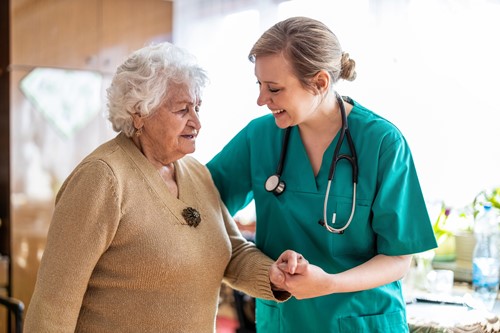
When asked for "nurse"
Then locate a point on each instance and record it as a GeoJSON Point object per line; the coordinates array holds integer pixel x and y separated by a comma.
{"type": "Point", "coordinates": [353, 283]}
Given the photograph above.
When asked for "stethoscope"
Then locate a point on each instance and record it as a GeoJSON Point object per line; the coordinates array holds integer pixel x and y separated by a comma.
{"type": "Point", "coordinates": [277, 186]}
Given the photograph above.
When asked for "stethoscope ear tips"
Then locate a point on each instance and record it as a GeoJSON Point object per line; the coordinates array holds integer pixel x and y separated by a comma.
{"type": "Point", "coordinates": [275, 185]}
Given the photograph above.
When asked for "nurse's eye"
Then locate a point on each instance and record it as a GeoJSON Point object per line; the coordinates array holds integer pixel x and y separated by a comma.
{"type": "Point", "coordinates": [270, 89]}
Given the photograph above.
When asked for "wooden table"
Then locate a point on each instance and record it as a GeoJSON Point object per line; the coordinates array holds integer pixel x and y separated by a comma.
{"type": "Point", "coordinates": [443, 318]}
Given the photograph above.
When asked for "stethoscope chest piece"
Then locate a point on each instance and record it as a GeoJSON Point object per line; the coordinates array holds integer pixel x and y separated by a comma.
{"type": "Point", "coordinates": [275, 185]}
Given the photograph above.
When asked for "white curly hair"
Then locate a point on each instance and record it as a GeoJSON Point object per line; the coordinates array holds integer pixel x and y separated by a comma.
{"type": "Point", "coordinates": [141, 83]}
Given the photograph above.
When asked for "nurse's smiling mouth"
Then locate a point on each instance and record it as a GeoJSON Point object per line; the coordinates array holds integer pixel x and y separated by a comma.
{"type": "Point", "coordinates": [278, 114]}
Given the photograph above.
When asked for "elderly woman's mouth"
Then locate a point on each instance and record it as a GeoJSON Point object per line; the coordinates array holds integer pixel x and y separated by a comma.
{"type": "Point", "coordinates": [190, 136]}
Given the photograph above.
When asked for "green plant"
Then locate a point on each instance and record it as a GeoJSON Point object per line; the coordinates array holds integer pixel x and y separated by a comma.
{"type": "Point", "coordinates": [441, 231]}
{"type": "Point", "coordinates": [491, 196]}
{"type": "Point", "coordinates": [446, 250]}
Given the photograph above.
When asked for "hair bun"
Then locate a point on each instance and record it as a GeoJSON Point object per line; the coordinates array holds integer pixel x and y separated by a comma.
{"type": "Point", "coordinates": [348, 67]}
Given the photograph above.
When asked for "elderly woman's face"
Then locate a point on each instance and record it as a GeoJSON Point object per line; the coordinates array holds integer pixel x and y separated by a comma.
{"type": "Point", "coordinates": [170, 133]}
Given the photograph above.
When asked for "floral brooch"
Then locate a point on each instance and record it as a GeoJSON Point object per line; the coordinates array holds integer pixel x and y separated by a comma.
{"type": "Point", "coordinates": [192, 216]}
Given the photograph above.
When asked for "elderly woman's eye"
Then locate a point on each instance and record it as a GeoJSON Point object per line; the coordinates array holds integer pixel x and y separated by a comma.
{"type": "Point", "coordinates": [197, 108]}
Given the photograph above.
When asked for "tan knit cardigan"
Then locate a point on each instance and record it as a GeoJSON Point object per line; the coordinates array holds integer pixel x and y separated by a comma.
{"type": "Point", "coordinates": [120, 257]}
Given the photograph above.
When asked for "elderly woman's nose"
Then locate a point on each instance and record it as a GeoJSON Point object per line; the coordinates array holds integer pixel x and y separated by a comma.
{"type": "Point", "coordinates": [195, 120]}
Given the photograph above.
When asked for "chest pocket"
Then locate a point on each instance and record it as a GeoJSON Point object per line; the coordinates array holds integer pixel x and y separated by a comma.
{"type": "Point", "coordinates": [358, 238]}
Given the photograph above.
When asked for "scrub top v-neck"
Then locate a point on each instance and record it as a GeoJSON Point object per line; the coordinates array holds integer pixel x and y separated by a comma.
{"type": "Point", "coordinates": [390, 217]}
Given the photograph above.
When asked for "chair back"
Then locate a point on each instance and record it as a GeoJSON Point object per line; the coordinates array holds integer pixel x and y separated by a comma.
{"type": "Point", "coordinates": [14, 308]}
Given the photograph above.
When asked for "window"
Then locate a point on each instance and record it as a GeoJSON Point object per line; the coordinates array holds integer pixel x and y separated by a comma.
{"type": "Point", "coordinates": [429, 66]}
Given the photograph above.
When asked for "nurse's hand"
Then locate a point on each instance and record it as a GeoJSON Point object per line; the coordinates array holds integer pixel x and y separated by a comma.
{"type": "Point", "coordinates": [293, 273]}
{"type": "Point", "coordinates": [289, 262]}
{"type": "Point", "coordinates": [307, 281]}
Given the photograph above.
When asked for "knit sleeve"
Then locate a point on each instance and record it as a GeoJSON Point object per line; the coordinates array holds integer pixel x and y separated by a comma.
{"type": "Point", "coordinates": [248, 269]}
{"type": "Point", "coordinates": [85, 219]}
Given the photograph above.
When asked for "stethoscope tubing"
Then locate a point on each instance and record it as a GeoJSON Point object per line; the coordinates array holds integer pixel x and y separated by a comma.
{"type": "Point", "coordinates": [275, 185]}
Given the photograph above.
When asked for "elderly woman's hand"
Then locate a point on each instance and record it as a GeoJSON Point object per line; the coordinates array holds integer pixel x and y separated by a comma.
{"type": "Point", "coordinates": [289, 262]}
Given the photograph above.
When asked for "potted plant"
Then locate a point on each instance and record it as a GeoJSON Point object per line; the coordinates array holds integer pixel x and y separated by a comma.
{"type": "Point", "coordinates": [464, 237]}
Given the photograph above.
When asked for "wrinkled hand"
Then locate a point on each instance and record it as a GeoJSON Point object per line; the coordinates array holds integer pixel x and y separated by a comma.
{"type": "Point", "coordinates": [293, 273]}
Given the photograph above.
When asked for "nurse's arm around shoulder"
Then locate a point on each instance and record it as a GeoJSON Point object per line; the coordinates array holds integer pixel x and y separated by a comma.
{"type": "Point", "coordinates": [312, 281]}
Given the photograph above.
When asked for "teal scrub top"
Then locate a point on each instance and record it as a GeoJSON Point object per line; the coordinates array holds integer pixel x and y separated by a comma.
{"type": "Point", "coordinates": [390, 218]}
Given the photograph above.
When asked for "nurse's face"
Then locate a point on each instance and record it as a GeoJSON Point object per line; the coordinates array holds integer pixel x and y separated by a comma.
{"type": "Point", "coordinates": [170, 132]}
{"type": "Point", "coordinates": [281, 91]}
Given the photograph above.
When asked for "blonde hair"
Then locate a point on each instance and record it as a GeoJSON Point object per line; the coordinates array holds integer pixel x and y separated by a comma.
{"type": "Point", "coordinates": [309, 45]}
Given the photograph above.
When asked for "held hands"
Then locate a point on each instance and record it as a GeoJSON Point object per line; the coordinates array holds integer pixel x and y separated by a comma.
{"type": "Point", "coordinates": [293, 273]}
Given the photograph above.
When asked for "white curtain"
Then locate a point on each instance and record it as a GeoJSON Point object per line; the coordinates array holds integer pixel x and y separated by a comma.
{"type": "Point", "coordinates": [429, 66]}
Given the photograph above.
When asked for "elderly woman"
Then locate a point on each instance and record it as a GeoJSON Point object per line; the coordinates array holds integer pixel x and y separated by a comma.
{"type": "Point", "coordinates": [140, 240]}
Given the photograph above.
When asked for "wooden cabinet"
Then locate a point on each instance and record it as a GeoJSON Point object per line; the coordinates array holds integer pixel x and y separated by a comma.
{"type": "Point", "coordinates": [85, 34]}
{"type": "Point", "coordinates": [129, 24]}
{"type": "Point", "coordinates": [52, 33]}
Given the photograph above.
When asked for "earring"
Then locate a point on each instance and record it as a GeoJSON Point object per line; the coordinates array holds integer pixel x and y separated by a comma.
{"type": "Point", "coordinates": [138, 132]}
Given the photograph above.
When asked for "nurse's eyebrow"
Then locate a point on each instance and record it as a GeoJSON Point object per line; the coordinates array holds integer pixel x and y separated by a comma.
{"type": "Point", "coordinates": [266, 82]}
